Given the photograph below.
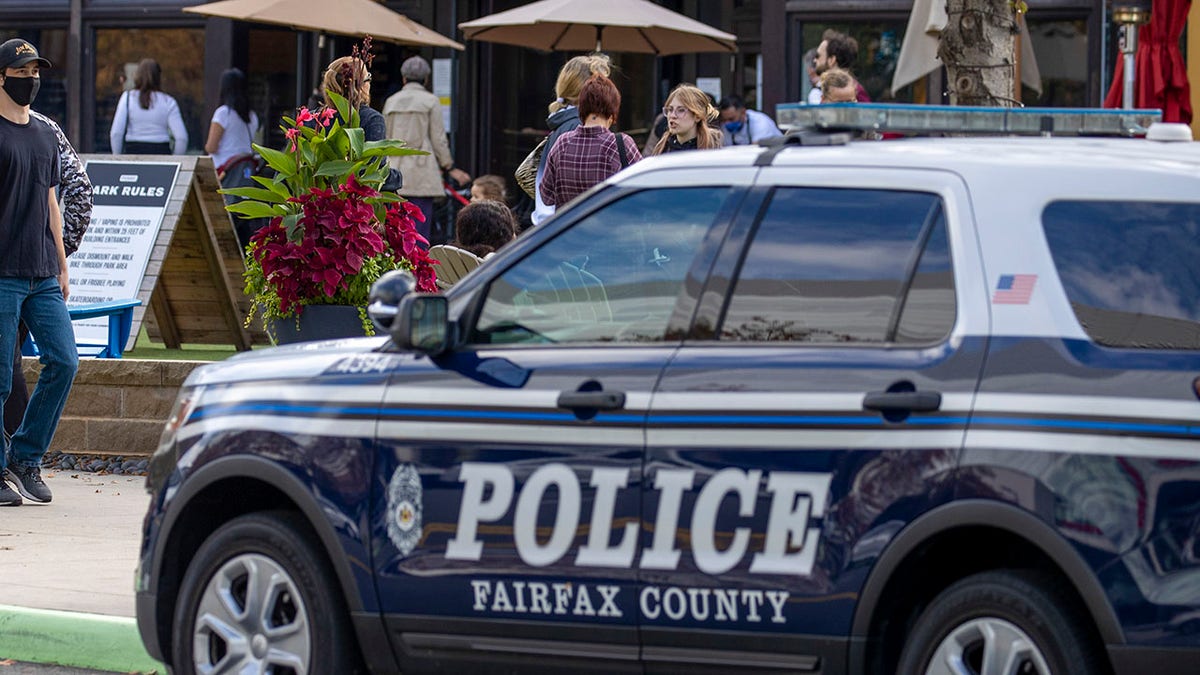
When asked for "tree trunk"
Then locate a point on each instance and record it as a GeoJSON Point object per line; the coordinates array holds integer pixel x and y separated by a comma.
{"type": "Point", "coordinates": [977, 48]}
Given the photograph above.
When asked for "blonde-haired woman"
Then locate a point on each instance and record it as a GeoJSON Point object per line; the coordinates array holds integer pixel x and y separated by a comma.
{"type": "Point", "coordinates": [564, 115]}
{"type": "Point", "coordinates": [688, 112]}
{"type": "Point", "coordinates": [350, 77]}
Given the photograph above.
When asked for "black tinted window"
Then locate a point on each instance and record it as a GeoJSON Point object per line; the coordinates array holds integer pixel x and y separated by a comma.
{"type": "Point", "coordinates": [1130, 270]}
{"type": "Point", "coordinates": [614, 276]}
{"type": "Point", "coordinates": [845, 266]}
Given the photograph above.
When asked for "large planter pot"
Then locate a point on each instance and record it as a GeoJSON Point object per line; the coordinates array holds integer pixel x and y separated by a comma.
{"type": "Point", "coordinates": [319, 322]}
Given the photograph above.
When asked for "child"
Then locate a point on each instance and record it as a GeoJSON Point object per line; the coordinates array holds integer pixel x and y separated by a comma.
{"type": "Point", "coordinates": [484, 226]}
{"type": "Point", "coordinates": [491, 187]}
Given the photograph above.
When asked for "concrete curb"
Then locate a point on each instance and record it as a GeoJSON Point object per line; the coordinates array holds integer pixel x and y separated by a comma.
{"type": "Point", "coordinates": [95, 641]}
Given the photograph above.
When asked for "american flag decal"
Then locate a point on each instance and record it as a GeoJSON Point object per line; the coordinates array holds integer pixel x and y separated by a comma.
{"type": "Point", "coordinates": [1014, 289]}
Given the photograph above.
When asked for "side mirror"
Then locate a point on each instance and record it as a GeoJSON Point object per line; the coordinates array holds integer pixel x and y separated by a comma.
{"type": "Point", "coordinates": [415, 321]}
{"type": "Point", "coordinates": [421, 324]}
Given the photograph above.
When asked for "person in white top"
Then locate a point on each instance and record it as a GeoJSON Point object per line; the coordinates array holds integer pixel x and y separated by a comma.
{"type": "Point", "coordinates": [743, 126]}
{"type": "Point", "coordinates": [234, 124]}
{"type": "Point", "coordinates": [147, 121]}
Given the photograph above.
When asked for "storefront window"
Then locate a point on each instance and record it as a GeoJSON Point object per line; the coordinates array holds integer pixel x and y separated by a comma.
{"type": "Point", "coordinates": [1061, 48]}
{"type": "Point", "coordinates": [52, 44]}
{"type": "Point", "coordinates": [180, 53]}
{"type": "Point", "coordinates": [878, 50]}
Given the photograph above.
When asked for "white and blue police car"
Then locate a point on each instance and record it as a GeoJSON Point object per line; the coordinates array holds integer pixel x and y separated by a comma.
{"type": "Point", "coordinates": [926, 405]}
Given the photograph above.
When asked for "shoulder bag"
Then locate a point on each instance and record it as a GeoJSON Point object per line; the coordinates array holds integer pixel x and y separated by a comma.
{"type": "Point", "coordinates": [526, 173]}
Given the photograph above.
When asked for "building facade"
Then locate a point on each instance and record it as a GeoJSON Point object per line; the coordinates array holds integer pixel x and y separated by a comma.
{"type": "Point", "coordinates": [499, 93]}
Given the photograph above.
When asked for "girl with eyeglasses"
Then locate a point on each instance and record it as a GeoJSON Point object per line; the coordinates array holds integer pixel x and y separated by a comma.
{"type": "Point", "coordinates": [689, 112]}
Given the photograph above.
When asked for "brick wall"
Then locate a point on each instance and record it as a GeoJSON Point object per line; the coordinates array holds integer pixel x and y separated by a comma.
{"type": "Point", "coordinates": [117, 406]}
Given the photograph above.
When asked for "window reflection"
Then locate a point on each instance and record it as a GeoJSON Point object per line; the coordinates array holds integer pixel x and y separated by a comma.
{"type": "Point", "coordinates": [180, 52]}
{"type": "Point", "coordinates": [1129, 270]}
{"type": "Point", "coordinates": [615, 276]}
{"type": "Point", "coordinates": [831, 266]}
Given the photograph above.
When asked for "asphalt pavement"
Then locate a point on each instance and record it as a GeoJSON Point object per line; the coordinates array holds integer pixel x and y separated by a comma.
{"type": "Point", "coordinates": [68, 568]}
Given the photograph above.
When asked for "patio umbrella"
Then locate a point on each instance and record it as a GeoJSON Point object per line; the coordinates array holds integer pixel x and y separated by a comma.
{"type": "Point", "coordinates": [612, 25]}
{"type": "Point", "coordinates": [1161, 80]}
{"type": "Point", "coordinates": [918, 53]}
{"type": "Point", "coordinates": [342, 17]}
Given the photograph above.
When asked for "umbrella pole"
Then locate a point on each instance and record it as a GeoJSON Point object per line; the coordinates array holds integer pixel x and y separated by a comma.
{"type": "Point", "coordinates": [599, 34]}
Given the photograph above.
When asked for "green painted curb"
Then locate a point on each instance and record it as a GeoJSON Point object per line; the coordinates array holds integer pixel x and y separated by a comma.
{"type": "Point", "coordinates": [95, 641]}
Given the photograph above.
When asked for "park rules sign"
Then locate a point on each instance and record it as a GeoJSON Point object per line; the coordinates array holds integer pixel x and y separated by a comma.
{"type": "Point", "coordinates": [130, 202]}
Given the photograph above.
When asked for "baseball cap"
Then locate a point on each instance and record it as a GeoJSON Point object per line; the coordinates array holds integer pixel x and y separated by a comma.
{"type": "Point", "coordinates": [17, 52]}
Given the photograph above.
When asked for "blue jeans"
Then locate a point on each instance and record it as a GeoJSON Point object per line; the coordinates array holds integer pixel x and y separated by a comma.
{"type": "Point", "coordinates": [40, 303]}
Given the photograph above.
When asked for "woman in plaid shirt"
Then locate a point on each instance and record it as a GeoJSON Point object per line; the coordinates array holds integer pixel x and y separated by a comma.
{"type": "Point", "coordinates": [590, 153]}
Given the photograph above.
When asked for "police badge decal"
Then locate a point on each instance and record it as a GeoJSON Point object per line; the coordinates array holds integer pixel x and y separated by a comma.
{"type": "Point", "coordinates": [404, 508]}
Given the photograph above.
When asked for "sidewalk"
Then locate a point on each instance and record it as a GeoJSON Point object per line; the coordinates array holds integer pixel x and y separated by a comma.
{"type": "Point", "coordinates": [68, 567]}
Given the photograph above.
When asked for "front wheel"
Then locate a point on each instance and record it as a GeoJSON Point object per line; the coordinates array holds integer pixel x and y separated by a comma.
{"type": "Point", "coordinates": [260, 597]}
{"type": "Point", "coordinates": [1001, 623]}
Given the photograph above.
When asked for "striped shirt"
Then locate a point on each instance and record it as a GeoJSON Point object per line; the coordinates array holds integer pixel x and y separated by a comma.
{"type": "Point", "coordinates": [580, 159]}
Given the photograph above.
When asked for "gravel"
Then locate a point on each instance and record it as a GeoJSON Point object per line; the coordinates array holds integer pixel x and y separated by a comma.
{"type": "Point", "coordinates": [103, 464]}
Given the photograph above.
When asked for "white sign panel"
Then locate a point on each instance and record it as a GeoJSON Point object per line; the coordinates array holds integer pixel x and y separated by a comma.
{"type": "Point", "coordinates": [441, 88]}
{"type": "Point", "coordinates": [130, 202]}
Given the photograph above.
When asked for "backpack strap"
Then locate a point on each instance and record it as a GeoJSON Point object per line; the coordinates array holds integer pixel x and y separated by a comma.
{"type": "Point", "coordinates": [621, 149]}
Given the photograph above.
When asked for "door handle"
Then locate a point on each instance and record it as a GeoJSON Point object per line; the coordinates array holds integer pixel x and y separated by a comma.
{"type": "Point", "coordinates": [906, 401]}
{"type": "Point", "coordinates": [592, 400]}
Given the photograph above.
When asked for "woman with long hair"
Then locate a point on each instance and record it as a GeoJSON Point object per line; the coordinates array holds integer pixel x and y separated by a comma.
{"type": "Point", "coordinates": [147, 121]}
{"type": "Point", "coordinates": [689, 112]}
{"type": "Point", "coordinates": [590, 153]}
{"type": "Point", "coordinates": [234, 124]}
{"type": "Point", "coordinates": [564, 114]}
{"type": "Point", "coordinates": [350, 77]}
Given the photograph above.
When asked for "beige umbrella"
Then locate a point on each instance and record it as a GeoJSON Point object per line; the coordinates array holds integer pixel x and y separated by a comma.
{"type": "Point", "coordinates": [342, 17]}
{"type": "Point", "coordinates": [918, 54]}
{"type": "Point", "coordinates": [612, 25]}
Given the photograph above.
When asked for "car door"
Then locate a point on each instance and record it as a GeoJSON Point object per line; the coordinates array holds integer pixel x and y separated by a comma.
{"type": "Point", "coordinates": [818, 404]}
{"type": "Point", "coordinates": [507, 518]}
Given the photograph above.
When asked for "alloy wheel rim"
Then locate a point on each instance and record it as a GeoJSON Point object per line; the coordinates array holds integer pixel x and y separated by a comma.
{"type": "Point", "coordinates": [251, 618]}
{"type": "Point", "coordinates": [990, 646]}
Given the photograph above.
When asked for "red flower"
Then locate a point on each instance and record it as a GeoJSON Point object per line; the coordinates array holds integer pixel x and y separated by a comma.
{"type": "Point", "coordinates": [340, 233]}
{"type": "Point", "coordinates": [304, 116]}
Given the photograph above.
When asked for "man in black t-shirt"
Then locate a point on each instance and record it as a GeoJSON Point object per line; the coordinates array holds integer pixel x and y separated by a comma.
{"type": "Point", "coordinates": [33, 270]}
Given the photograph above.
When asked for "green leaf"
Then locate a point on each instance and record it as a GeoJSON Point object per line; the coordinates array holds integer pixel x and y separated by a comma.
{"type": "Point", "coordinates": [291, 225]}
{"type": "Point", "coordinates": [335, 168]}
{"type": "Point", "coordinates": [250, 209]}
{"type": "Point", "coordinates": [357, 141]}
{"type": "Point", "coordinates": [340, 103]}
{"type": "Point", "coordinates": [274, 185]}
{"type": "Point", "coordinates": [280, 161]}
{"type": "Point", "coordinates": [259, 194]}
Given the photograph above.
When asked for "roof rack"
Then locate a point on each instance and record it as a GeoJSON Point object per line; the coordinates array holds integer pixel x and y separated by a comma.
{"type": "Point", "coordinates": [935, 119]}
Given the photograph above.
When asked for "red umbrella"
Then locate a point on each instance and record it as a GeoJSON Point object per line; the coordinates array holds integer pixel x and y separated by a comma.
{"type": "Point", "coordinates": [1161, 80]}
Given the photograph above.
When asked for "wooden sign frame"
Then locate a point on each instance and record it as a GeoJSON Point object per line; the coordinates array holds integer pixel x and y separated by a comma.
{"type": "Point", "coordinates": [192, 290]}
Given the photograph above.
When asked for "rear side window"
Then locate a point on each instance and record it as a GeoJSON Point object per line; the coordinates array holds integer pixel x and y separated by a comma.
{"type": "Point", "coordinates": [1130, 269]}
{"type": "Point", "coordinates": [842, 266]}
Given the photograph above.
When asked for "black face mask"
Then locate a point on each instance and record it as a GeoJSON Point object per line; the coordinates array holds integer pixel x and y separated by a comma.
{"type": "Point", "coordinates": [22, 90]}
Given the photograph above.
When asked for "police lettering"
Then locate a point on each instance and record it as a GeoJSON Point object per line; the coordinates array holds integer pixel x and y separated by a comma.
{"type": "Point", "coordinates": [789, 546]}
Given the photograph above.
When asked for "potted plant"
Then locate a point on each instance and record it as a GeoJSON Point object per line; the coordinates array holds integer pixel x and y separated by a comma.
{"type": "Point", "coordinates": [332, 232]}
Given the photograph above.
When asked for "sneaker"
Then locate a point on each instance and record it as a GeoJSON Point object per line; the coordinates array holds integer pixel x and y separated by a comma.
{"type": "Point", "coordinates": [8, 496]}
{"type": "Point", "coordinates": [28, 481]}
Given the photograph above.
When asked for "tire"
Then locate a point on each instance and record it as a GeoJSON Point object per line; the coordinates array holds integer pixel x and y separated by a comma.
{"type": "Point", "coordinates": [1017, 617]}
{"type": "Point", "coordinates": [272, 558]}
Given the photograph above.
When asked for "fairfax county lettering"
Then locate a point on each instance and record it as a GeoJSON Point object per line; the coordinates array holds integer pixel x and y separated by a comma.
{"type": "Point", "coordinates": [672, 603]}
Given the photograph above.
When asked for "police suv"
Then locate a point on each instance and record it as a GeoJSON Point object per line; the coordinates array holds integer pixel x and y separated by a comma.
{"type": "Point", "coordinates": [926, 405]}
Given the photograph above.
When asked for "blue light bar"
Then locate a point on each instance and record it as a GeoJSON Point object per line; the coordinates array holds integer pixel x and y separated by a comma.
{"type": "Point", "coordinates": [929, 119]}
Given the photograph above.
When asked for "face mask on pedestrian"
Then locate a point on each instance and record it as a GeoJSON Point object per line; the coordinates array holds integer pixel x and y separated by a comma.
{"type": "Point", "coordinates": [22, 90]}
{"type": "Point", "coordinates": [734, 127]}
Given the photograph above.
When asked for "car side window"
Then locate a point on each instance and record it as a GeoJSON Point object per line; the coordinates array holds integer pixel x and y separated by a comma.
{"type": "Point", "coordinates": [614, 276]}
{"type": "Point", "coordinates": [845, 266]}
{"type": "Point", "coordinates": [1129, 270]}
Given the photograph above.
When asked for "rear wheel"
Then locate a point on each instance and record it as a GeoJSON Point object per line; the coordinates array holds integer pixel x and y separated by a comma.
{"type": "Point", "coordinates": [260, 597]}
{"type": "Point", "coordinates": [1000, 623]}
